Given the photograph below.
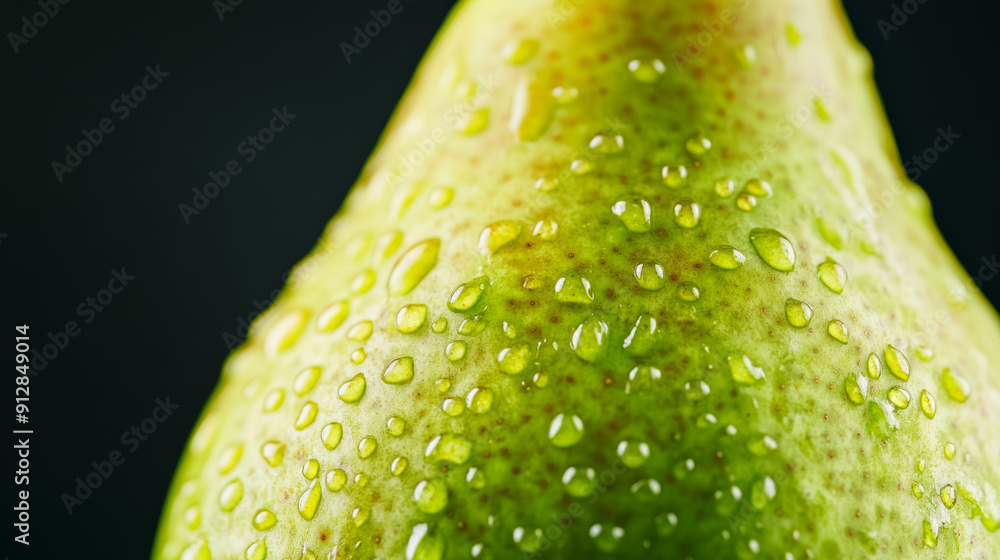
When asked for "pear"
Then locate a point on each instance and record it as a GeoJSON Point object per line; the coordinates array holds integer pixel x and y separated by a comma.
{"type": "Point", "coordinates": [621, 280]}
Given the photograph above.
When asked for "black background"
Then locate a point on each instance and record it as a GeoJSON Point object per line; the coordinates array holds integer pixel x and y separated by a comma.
{"type": "Point", "coordinates": [162, 336]}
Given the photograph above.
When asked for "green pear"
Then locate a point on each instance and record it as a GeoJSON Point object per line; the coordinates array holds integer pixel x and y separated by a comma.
{"type": "Point", "coordinates": [621, 280]}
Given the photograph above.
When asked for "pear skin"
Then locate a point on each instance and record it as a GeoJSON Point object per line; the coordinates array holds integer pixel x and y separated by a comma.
{"type": "Point", "coordinates": [621, 280]}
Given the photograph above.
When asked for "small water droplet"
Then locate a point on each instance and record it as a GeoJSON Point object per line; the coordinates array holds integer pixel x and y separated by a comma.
{"type": "Point", "coordinates": [773, 248]}
{"type": "Point", "coordinates": [547, 184]}
{"type": "Point", "coordinates": [545, 230]}
{"type": "Point", "coordinates": [229, 457]}
{"type": "Point", "coordinates": [475, 478]}
{"type": "Point", "coordinates": [874, 366]}
{"type": "Point", "coordinates": [430, 496]}
{"type": "Point", "coordinates": [697, 390]}
{"type": "Point", "coordinates": [758, 188]}
{"type": "Point", "coordinates": [455, 351]}
{"type": "Point", "coordinates": [917, 489]}
{"type": "Point", "coordinates": [395, 426]}
{"type": "Point", "coordinates": [453, 407]}
{"type": "Point", "coordinates": [331, 435]}
{"type": "Point", "coordinates": [838, 330]}
{"type": "Point", "coordinates": [519, 51]}
{"type": "Point", "coordinates": [360, 516]}
{"type": "Point", "coordinates": [256, 551]}
{"type": "Point", "coordinates": [727, 257]}
{"type": "Point", "coordinates": [927, 404]}
{"type": "Point", "coordinates": [698, 145]}
{"type": "Point", "coordinates": [448, 447]}
{"type": "Point", "coordinates": [899, 397]}
{"type": "Point", "coordinates": [398, 466]}
{"type": "Point", "coordinates": [830, 233]}
{"type": "Point", "coordinates": [399, 371]}
{"type": "Point", "coordinates": [856, 387]}
{"type": "Point", "coordinates": [565, 95]}
{"type": "Point", "coordinates": [798, 313]}
{"type": "Point", "coordinates": [674, 176]}
{"type": "Point", "coordinates": [724, 188]}
{"type": "Point", "coordinates": [497, 235]}
{"type": "Point", "coordinates": [360, 331]}
{"type": "Point", "coordinates": [352, 391]}
{"type": "Point", "coordinates": [571, 287]}
{"type": "Point", "coordinates": [792, 34]}
{"type": "Point", "coordinates": [474, 122]}
{"type": "Point", "coordinates": [833, 275]}
{"type": "Point", "coordinates": [590, 339]}
{"type": "Point", "coordinates": [367, 446]}
{"type": "Point", "coordinates": [363, 282]}
{"type": "Point", "coordinates": [957, 388]}
{"type": "Point", "coordinates": [310, 469]}
{"type": "Point", "coordinates": [273, 452]}
{"type": "Point", "coordinates": [423, 545]}
{"type": "Point", "coordinates": [688, 291]}
{"type": "Point", "coordinates": [948, 496]}
{"type": "Point", "coordinates": [439, 325]}
{"type": "Point", "coordinates": [479, 400]}
{"type": "Point", "coordinates": [930, 535]}
{"type": "Point", "coordinates": [284, 332]}
{"type": "Point", "coordinates": [687, 213]}
{"type": "Point", "coordinates": [331, 317]}
{"type": "Point", "coordinates": [231, 495]}
{"type": "Point", "coordinates": [467, 295]}
{"type": "Point", "coordinates": [746, 202]}
{"type": "Point", "coordinates": [438, 199]}
{"type": "Point", "coordinates": [607, 143]}
{"type": "Point", "coordinates": [307, 414]}
{"type": "Point", "coordinates": [643, 336]}
{"type": "Point", "coordinates": [633, 453]}
{"type": "Point", "coordinates": [358, 356]}
{"type": "Point", "coordinates": [649, 276]}
{"type": "Point", "coordinates": [646, 70]}
{"type": "Point", "coordinates": [579, 482]}
{"type": "Point", "coordinates": [743, 370]}
{"type": "Point", "coordinates": [745, 55]}
{"type": "Point", "coordinates": [411, 317]}
{"type": "Point", "coordinates": [336, 480]}
{"type": "Point", "coordinates": [634, 212]}
{"type": "Point", "coordinates": [531, 110]}
{"type": "Point", "coordinates": [762, 445]}
{"type": "Point", "coordinates": [264, 520]}
{"type": "Point", "coordinates": [924, 353]}
{"type": "Point", "coordinates": [897, 363]}
{"type": "Point", "coordinates": [565, 431]}
{"type": "Point", "coordinates": [949, 451]}
{"type": "Point", "coordinates": [513, 360]}
{"type": "Point", "coordinates": [581, 166]}
{"type": "Point", "coordinates": [642, 378]}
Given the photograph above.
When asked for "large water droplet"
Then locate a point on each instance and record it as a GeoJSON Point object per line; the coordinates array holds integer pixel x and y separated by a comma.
{"type": "Point", "coordinates": [579, 482]}
{"type": "Point", "coordinates": [309, 500]}
{"type": "Point", "coordinates": [411, 317]}
{"type": "Point", "coordinates": [798, 313]}
{"type": "Point", "coordinates": [479, 400]}
{"type": "Point", "coordinates": [565, 431]}
{"type": "Point", "coordinates": [430, 496]}
{"type": "Point", "coordinates": [897, 363]}
{"type": "Point", "coordinates": [646, 70]}
{"type": "Point", "coordinates": [231, 495]}
{"type": "Point", "coordinates": [519, 51]}
{"type": "Point", "coordinates": [607, 143]}
{"type": "Point", "coordinates": [424, 546]}
{"type": "Point", "coordinates": [687, 213]}
{"type": "Point", "coordinates": [743, 370]}
{"type": "Point", "coordinates": [649, 276]}
{"type": "Point", "coordinates": [927, 404]}
{"type": "Point", "coordinates": [273, 452]}
{"type": "Point", "coordinates": [264, 520]}
{"type": "Point", "coordinates": [838, 330]}
{"type": "Point", "coordinates": [674, 176]}
{"type": "Point", "coordinates": [856, 388]}
{"type": "Point", "coordinates": [307, 414]}
{"type": "Point", "coordinates": [513, 360]}
{"type": "Point", "coordinates": [399, 371]}
{"type": "Point", "coordinates": [352, 391]}
{"type": "Point", "coordinates": [726, 257]}
{"type": "Point", "coordinates": [413, 266]}
{"type": "Point", "coordinates": [633, 453]}
{"type": "Point", "coordinates": [634, 212]}
{"type": "Point", "coordinates": [957, 388]}
{"type": "Point", "coordinates": [773, 248]}
{"type": "Point", "coordinates": [833, 275]}
{"type": "Point", "coordinates": [331, 434]}
{"type": "Point", "coordinates": [467, 295]}
{"type": "Point", "coordinates": [531, 110]}
{"type": "Point", "coordinates": [497, 235]}
{"type": "Point", "coordinates": [571, 287]}
{"type": "Point", "coordinates": [590, 339]}
{"type": "Point", "coordinates": [899, 397]}
{"type": "Point", "coordinates": [448, 447]}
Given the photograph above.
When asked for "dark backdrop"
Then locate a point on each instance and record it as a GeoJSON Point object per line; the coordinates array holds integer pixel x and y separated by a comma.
{"type": "Point", "coordinates": [162, 335]}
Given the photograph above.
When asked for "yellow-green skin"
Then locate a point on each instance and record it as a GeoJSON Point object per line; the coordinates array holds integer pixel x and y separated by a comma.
{"type": "Point", "coordinates": [832, 479]}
